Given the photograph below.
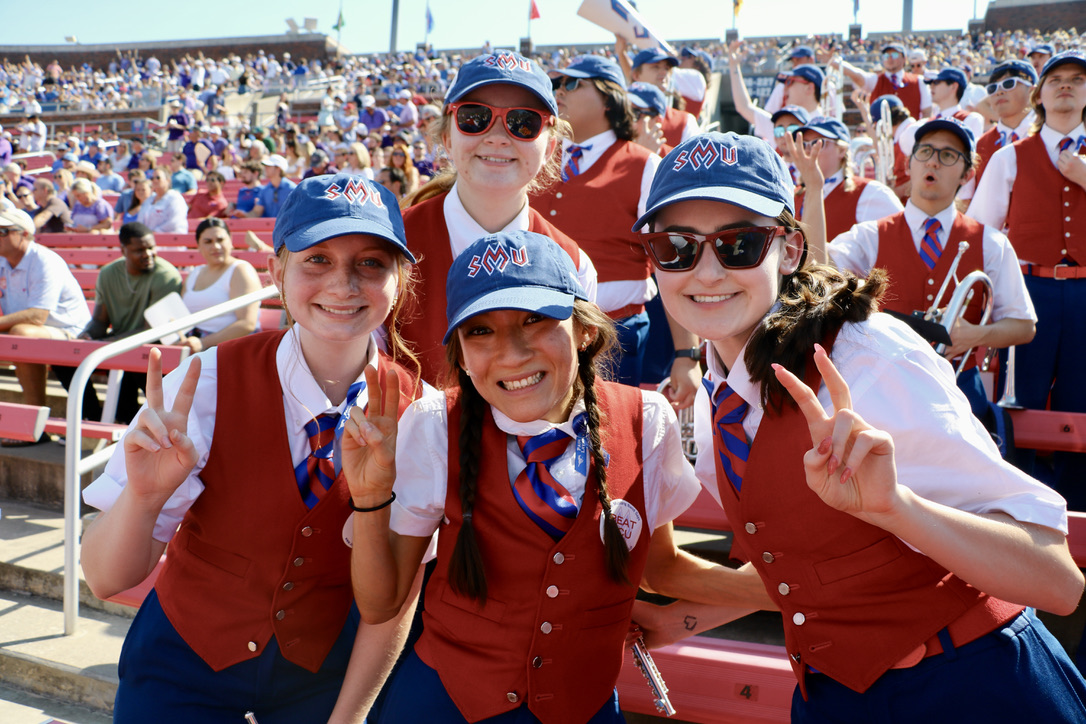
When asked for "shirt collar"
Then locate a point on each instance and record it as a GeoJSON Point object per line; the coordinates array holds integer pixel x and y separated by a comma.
{"type": "Point", "coordinates": [303, 398]}
{"type": "Point", "coordinates": [1052, 137]}
{"type": "Point", "coordinates": [915, 218]}
{"type": "Point", "coordinates": [598, 142]}
{"type": "Point", "coordinates": [464, 230]}
{"type": "Point", "coordinates": [738, 378]}
{"type": "Point", "coordinates": [831, 183]}
{"type": "Point", "coordinates": [948, 112]}
{"type": "Point", "coordinates": [528, 429]}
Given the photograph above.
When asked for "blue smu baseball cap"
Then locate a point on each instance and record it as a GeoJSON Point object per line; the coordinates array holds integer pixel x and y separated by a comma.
{"type": "Point", "coordinates": [948, 123]}
{"type": "Point", "coordinates": [876, 106]}
{"type": "Point", "coordinates": [809, 73]}
{"type": "Point", "coordinates": [1067, 56]}
{"type": "Point", "coordinates": [1045, 48]}
{"type": "Point", "coordinates": [653, 55]}
{"type": "Point", "coordinates": [801, 114]}
{"type": "Point", "coordinates": [950, 75]}
{"type": "Point", "coordinates": [801, 51]}
{"type": "Point", "coordinates": [502, 67]}
{"type": "Point", "coordinates": [828, 128]}
{"type": "Point", "coordinates": [594, 66]}
{"type": "Point", "coordinates": [511, 270]}
{"type": "Point", "coordinates": [649, 97]}
{"type": "Point", "coordinates": [741, 170]}
{"type": "Point", "coordinates": [326, 206]}
{"type": "Point", "coordinates": [1019, 68]}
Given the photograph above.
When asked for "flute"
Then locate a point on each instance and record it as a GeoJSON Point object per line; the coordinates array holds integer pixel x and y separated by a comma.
{"type": "Point", "coordinates": [644, 661]}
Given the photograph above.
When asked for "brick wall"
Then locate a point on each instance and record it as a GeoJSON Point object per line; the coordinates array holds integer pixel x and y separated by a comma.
{"type": "Point", "coordinates": [1046, 17]}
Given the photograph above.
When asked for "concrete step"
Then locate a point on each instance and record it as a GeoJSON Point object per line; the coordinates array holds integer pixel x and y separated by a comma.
{"type": "Point", "coordinates": [32, 556]}
{"type": "Point", "coordinates": [36, 656]}
{"type": "Point", "coordinates": [22, 707]}
{"type": "Point", "coordinates": [35, 473]}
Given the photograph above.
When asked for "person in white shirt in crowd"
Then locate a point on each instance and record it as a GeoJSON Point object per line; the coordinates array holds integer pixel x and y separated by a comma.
{"type": "Point", "coordinates": [1009, 88]}
{"type": "Point", "coordinates": [166, 211]}
{"type": "Point", "coordinates": [798, 56]}
{"type": "Point", "coordinates": [654, 65]}
{"type": "Point", "coordinates": [801, 88]}
{"type": "Point", "coordinates": [947, 89]}
{"type": "Point", "coordinates": [35, 132]}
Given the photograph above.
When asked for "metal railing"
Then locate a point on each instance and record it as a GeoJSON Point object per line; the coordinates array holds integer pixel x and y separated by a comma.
{"type": "Point", "coordinates": [75, 467]}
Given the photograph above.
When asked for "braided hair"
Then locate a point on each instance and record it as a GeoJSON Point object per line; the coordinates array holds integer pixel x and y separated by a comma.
{"type": "Point", "coordinates": [466, 571]}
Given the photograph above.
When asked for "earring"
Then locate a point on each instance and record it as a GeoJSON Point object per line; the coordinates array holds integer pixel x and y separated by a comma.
{"type": "Point", "coordinates": [584, 346]}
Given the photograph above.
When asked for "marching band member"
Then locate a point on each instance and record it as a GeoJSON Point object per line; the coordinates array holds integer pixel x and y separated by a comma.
{"type": "Point", "coordinates": [802, 88]}
{"type": "Point", "coordinates": [691, 78]}
{"type": "Point", "coordinates": [605, 180]}
{"type": "Point", "coordinates": [500, 128]}
{"type": "Point", "coordinates": [901, 550]}
{"type": "Point", "coordinates": [654, 65]}
{"type": "Point", "coordinates": [894, 81]}
{"type": "Point", "coordinates": [234, 465]}
{"type": "Point", "coordinates": [1042, 209]}
{"type": "Point", "coordinates": [848, 199]}
{"type": "Point", "coordinates": [900, 122]}
{"type": "Point", "coordinates": [798, 56]}
{"type": "Point", "coordinates": [947, 89]}
{"type": "Point", "coordinates": [1009, 88]}
{"type": "Point", "coordinates": [917, 248]}
{"type": "Point", "coordinates": [554, 492]}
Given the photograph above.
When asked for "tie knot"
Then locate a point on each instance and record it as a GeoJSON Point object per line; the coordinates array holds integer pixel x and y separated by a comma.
{"type": "Point", "coordinates": [932, 226]}
{"type": "Point", "coordinates": [321, 432]}
{"type": "Point", "coordinates": [1070, 142]}
{"type": "Point", "coordinates": [544, 447]}
{"type": "Point", "coordinates": [729, 406]}
{"type": "Point", "coordinates": [576, 151]}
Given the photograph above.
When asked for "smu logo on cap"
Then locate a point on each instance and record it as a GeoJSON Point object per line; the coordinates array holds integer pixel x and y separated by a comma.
{"type": "Point", "coordinates": [507, 61]}
{"type": "Point", "coordinates": [495, 259]}
{"type": "Point", "coordinates": [704, 155]}
{"type": "Point", "coordinates": [355, 191]}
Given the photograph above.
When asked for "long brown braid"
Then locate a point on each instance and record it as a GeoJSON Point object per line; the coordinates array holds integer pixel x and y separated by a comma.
{"type": "Point", "coordinates": [467, 574]}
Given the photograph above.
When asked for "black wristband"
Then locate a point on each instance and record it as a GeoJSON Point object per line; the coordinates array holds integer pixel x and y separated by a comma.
{"type": "Point", "coordinates": [693, 353]}
{"type": "Point", "coordinates": [385, 504]}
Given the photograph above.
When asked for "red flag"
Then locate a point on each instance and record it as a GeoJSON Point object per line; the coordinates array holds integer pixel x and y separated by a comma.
{"type": "Point", "coordinates": [533, 11]}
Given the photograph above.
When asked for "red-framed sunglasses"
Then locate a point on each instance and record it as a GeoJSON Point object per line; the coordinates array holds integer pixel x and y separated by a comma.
{"type": "Point", "coordinates": [743, 248]}
{"type": "Point", "coordinates": [523, 124]}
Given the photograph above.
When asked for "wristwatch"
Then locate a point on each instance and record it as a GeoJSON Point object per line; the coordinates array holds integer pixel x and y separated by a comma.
{"type": "Point", "coordinates": [693, 353]}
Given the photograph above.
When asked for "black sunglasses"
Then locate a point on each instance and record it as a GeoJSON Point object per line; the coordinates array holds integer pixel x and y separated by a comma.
{"type": "Point", "coordinates": [523, 124]}
{"type": "Point", "coordinates": [743, 248]}
{"type": "Point", "coordinates": [565, 81]}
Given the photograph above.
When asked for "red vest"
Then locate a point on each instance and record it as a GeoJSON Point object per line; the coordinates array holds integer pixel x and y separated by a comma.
{"type": "Point", "coordinates": [600, 207]}
{"type": "Point", "coordinates": [961, 115]}
{"type": "Point", "coordinates": [1046, 219]}
{"type": "Point", "coordinates": [425, 322]}
{"type": "Point", "coordinates": [909, 94]}
{"type": "Point", "coordinates": [840, 206]}
{"type": "Point", "coordinates": [552, 630]}
{"type": "Point", "coordinates": [693, 107]}
{"type": "Point", "coordinates": [250, 560]}
{"type": "Point", "coordinates": [673, 123]}
{"type": "Point", "coordinates": [901, 171]}
{"type": "Point", "coordinates": [987, 144]}
{"type": "Point", "coordinates": [855, 599]}
{"type": "Point", "coordinates": [912, 285]}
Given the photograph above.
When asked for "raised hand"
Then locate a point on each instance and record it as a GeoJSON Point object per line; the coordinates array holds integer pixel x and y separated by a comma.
{"type": "Point", "coordinates": [851, 464]}
{"type": "Point", "coordinates": [806, 162]}
{"type": "Point", "coordinates": [158, 453]}
{"type": "Point", "coordinates": [368, 445]}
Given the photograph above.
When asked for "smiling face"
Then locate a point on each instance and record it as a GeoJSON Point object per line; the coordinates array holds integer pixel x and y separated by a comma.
{"type": "Point", "coordinates": [340, 290]}
{"type": "Point", "coordinates": [494, 160]}
{"type": "Point", "coordinates": [718, 304]}
{"type": "Point", "coordinates": [523, 363]}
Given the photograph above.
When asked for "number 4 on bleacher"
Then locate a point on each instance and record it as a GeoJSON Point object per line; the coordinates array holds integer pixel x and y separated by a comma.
{"type": "Point", "coordinates": [747, 691]}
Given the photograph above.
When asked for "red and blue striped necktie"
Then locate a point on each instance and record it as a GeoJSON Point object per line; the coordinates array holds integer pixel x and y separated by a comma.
{"type": "Point", "coordinates": [930, 248]}
{"type": "Point", "coordinates": [729, 438]}
{"type": "Point", "coordinates": [573, 166]}
{"type": "Point", "coordinates": [544, 499]}
{"type": "Point", "coordinates": [317, 473]}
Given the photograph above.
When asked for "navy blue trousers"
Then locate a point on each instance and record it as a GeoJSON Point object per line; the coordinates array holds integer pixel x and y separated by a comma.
{"type": "Point", "coordinates": [633, 335]}
{"type": "Point", "coordinates": [414, 693]}
{"type": "Point", "coordinates": [166, 682]}
{"type": "Point", "coordinates": [1018, 673]}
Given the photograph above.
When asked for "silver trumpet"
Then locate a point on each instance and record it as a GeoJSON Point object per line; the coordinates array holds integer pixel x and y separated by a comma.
{"type": "Point", "coordinates": [884, 147]}
{"type": "Point", "coordinates": [1009, 401]}
{"type": "Point", "coordinates": [644, 661]}
{"type": "Point", "coordinates": [964, 291]}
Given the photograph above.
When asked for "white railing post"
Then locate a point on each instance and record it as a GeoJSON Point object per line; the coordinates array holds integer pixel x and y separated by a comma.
{"type": "Point", "coordinates": [74, 467]}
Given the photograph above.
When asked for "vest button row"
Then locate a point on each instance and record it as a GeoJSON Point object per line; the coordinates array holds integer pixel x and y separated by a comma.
{"type": "Point", "coordinates": [798, 619]}
{"type": "Point", "coordinates": [537, 662]}
{"type": "Point", "coordinates": [288, 586]}
{"type": "Point", "coordinates": [252, 646]}
{"type": "Point", "coordinates": [307, 531]}
{"type": "Point", "coordinates": [512, 697]}
{"type": "Point", "coordinates": [298, 562]}
{"type": "Point", "coordinates": [750, 528]}
{"type": "Point", "coordinates": [784, 589]}
{"type": "Point", "coordinates": [546, 627]}
{"type": "Point", "coordinates": [558, 559]}
{"type": "Point", "coordinates": [558, 195]}
{"type": "Point", "coordinates": [552, 591]}
{"type": "Point", "coordinates": [280, 615]}
{"type": "Point", "coordinates": [768, 557]}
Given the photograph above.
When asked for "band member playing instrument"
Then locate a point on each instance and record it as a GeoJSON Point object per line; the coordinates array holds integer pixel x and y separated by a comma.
{"type": "Point", "coordinates": [901, 550]}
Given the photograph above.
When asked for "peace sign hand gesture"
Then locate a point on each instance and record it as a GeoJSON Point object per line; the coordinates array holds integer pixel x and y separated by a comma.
{"type": "Point", "coordinates": [851, 466]}
{"type": "Point", "coordinates": [368, 446]}
{"type": "Point", "coordinates": [158, 453]}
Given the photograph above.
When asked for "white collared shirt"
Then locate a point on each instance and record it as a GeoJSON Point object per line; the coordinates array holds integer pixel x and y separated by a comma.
{"type": "Point", "coordinates": [973, 121]}
{"type": "Point", "coordinates": [858, 248]}
{"type": "Point", "coordinates": [465, 230]}
{"type": "Point", "coordinates": [898, 384]}
{"type": "Point", "coordinates": [422, 463]}
{"type": "Point", "coordinates": [303, 399]}
{"type": "Point", "coordinates": [993, 197]}
{"type": "Point", "coordinates": [876, 200]}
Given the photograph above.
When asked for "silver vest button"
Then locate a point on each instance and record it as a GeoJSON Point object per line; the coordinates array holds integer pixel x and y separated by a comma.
{"type": "Point", "coordinates": [546, 627]}
{"type": "Point", "coordinates": [552, 591]}
{"type": "Point", "coordinates": [798, 619]}
{"type": "Point", "coordinates": [750, 528]}
{"type": "Point", "coordinates": [783, 589]}
{"type": "Point", "coordinates": [252, 645]}
{"type": "Point", "coordinates": [512, 697]}
{"type": "Point", "coordinates": [768, 557]}
{"type": "Point", "coordinates": [558, 559]}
